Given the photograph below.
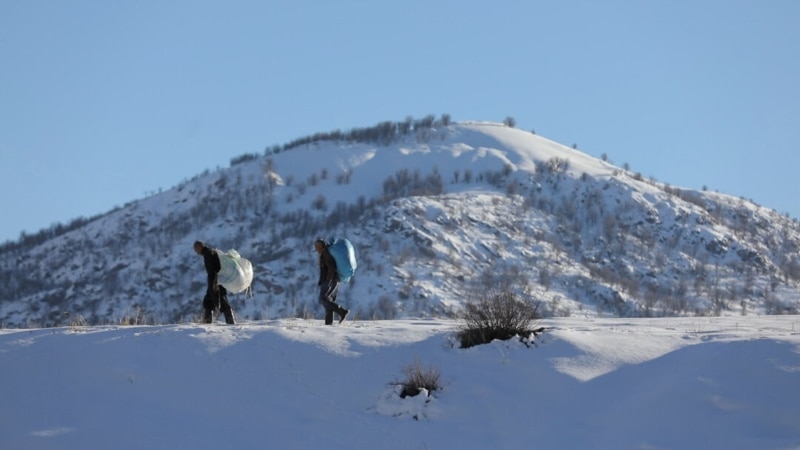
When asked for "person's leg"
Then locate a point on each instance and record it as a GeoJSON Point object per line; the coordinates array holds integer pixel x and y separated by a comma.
{"type": "Point", "coordinates": [209, 305]}
{"type": "Point", "coordinates": [339, 309]}
{"type": "Point", "coordinates": [224, 306]}
{"type": "Point", "coordinates": [327, 297]}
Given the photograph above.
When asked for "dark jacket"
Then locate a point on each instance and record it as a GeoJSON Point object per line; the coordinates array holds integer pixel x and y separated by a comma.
{"type": "Point", "coordinates": [327, 268]}
{"type": "Point", "coordinates": [213, 266]}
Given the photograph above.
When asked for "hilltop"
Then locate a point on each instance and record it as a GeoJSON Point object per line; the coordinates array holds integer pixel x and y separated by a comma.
{"type": "Point", "coordinates": [438, 211]}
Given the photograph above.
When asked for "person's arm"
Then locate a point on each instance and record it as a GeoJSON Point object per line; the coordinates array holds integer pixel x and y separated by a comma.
{"type": "Point", "coordinates": [213, 267]}
{"type": "Point", "coordinates": [323, 270]}
{"type": "Point", "coordinates": [330, 267]}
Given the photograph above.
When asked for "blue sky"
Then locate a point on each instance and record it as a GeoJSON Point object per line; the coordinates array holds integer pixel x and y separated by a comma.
{"type": "Point", "coordinates": [103, 102]}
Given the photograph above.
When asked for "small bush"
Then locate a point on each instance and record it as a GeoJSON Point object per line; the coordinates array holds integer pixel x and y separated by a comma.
{"type": "Point", "coordinates": [78, 322]}
{"type": "Point", "coordinates": [137, 318]}
{"type": "Point", "coordinates": [499, 315]}
{"type": "Point", "coordinates": [418, 378]}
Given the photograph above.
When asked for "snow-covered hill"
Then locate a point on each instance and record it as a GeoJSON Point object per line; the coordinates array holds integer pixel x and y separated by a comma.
{"type": "Point", "coordinates": [437, 214]}
{"type": "Point", "coordinates": [726, 383]}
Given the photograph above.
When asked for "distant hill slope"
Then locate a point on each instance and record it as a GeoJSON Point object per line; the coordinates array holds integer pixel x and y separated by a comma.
{"type": "Point", "coordinates": [438, 214]}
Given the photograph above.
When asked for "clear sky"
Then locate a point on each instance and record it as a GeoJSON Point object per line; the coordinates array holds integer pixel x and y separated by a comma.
{"type": "Point", "coordinates": [102, 103]}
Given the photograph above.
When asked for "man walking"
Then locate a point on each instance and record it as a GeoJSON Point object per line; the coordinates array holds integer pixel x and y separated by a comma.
{"type": "Point", "coordinates": [216, 294]}
{"type": "Point", "coordinates": [328, 283]}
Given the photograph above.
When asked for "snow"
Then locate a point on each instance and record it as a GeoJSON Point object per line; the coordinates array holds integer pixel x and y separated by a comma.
{"type": "Point", "coordinates": [588, 383]}
{"type": "Point", "coordinates": [577, 233]}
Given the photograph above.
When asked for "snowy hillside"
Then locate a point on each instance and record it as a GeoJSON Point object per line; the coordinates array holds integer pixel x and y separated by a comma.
{"type": "Point", "coordinates": [437, 212]}
{"type": "Point", "coordinates": [720, 383]}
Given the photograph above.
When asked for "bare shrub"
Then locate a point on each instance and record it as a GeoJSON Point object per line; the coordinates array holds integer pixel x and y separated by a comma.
{"type": "Point", "coordinates": [138, 317]}
{"type": "Point", "coordinates": [418, 378]}
{"type": "Point", "coordinates": [78, 322]}
{"type": "Point", "coordinates": [320, 203]}
{"type": "Point", "coordinates": [384, 309]}
{"type": "Point", "coordinates": [500, 314]}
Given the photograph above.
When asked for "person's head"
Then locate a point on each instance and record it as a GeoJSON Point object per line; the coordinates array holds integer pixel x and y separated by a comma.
{"type": "Point", "coordinates": [198, 247]}
{"type": "Point", "coordinates": [320, 245]}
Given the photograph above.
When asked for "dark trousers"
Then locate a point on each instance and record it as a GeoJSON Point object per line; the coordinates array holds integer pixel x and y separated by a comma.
{"type": "Point", "coordinates": [327, 298]}
{"type": "Point", "coordinates": [217, 300]}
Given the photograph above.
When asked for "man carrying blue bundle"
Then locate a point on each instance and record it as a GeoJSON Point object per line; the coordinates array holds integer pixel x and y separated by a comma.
{"type": "Point", "coordinates": [328, 283]}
